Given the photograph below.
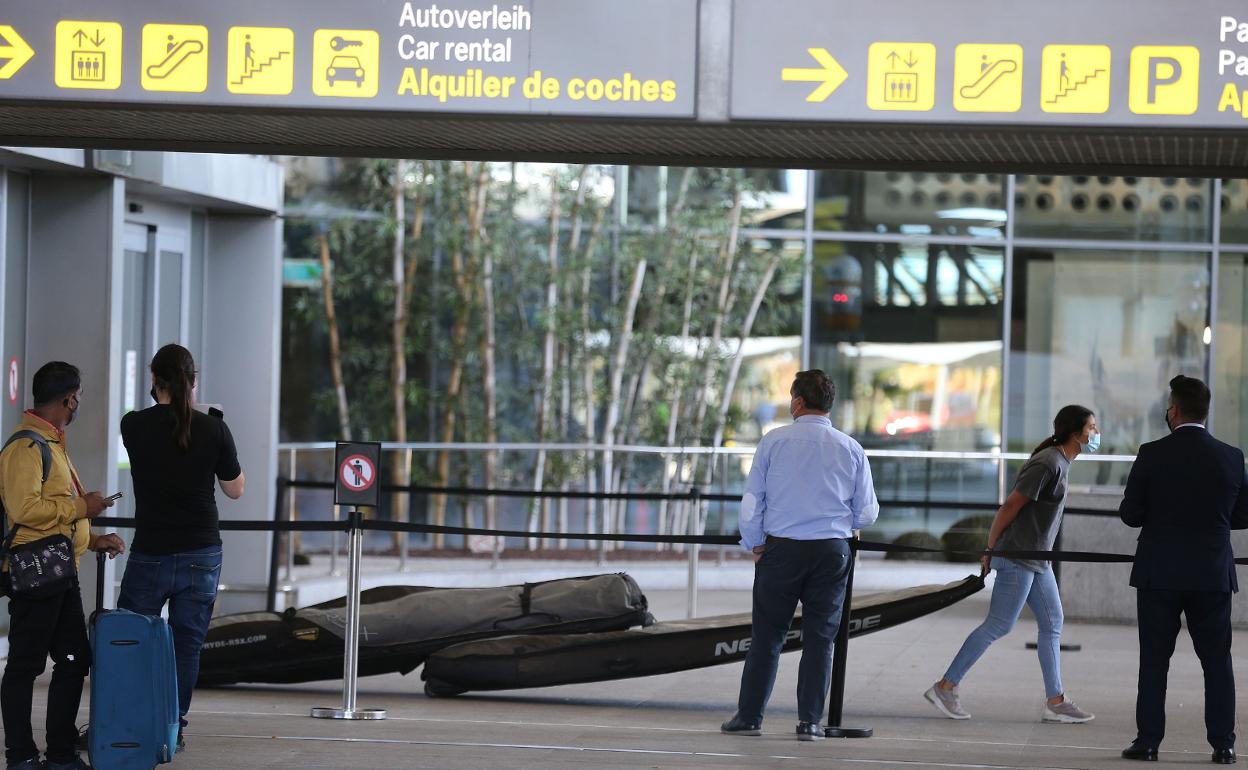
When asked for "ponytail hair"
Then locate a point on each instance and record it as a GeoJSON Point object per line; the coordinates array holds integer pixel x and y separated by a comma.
{"type": "Point", "coordinates": [1068, 422]}
{"type": "Point", "coordinates": [173, 370]}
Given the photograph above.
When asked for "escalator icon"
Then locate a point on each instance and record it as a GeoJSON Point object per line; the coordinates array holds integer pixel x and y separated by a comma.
{"type": "Point", "coordinates": [175, 58]}
{"type": "Point", "coordinates": [988, 78]}
{"type": "Point", "coordinates": [178, 54]}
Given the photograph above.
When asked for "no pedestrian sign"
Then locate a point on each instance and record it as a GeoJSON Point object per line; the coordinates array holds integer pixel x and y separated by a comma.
{"type": "Point", "coordinates": [356, 483]}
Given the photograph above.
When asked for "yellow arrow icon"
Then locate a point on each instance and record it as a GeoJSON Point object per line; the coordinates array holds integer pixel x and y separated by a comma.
{"type": "Point", "coordinates": [14, 52]}
{"type": "Point", "coordinates": [829, 74]}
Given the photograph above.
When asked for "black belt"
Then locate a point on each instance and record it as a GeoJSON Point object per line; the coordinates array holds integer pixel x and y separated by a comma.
{"type": "Point", "coordinates": [778, 539]}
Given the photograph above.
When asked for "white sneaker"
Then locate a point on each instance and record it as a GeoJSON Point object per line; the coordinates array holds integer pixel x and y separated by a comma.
{"type": "Point", "coordinates": [946, 702]}
{"type": "Point", "coordinates": [1066, 712]}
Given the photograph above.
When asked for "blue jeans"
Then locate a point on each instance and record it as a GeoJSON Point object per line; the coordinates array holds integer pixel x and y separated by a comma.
{"type": "Point", "coordinates": [1015, 586]}
{"type": "Point", "coordinates": [188, 581]}
{"type": "Point", "coordinates": [810, 571]}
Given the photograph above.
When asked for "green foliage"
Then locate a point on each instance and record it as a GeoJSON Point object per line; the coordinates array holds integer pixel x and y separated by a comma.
{"type": "Point", "coordinates": [354, 211]}
{"type": "Point", "coordinates": [968, 534]}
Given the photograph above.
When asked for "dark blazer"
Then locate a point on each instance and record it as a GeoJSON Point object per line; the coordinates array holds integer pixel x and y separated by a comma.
{"type": "Point", "coordinates": [1187, 491]}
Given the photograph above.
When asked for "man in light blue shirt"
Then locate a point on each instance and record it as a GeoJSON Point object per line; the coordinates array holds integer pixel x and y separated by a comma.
{"type": "Point", "coordinates": [809, 488]}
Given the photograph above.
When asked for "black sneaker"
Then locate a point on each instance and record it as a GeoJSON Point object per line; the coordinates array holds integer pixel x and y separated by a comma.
{"type": "Point", "coordinates": [74, 764]}
{"type": "Point", "coordinates": [181, 742]}
{"type": "Point", "coordinates": [84, 739]}
{"type": "Point", "coordinates": [810, 731]}
{"type": "Point", "coordinates": [34, 763]}
{"type": "Point", "coordinates": [738, 726]}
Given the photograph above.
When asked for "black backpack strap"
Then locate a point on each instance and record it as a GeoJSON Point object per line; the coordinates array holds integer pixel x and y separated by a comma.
{"type": "Point", "coordinates": [45, 452]}
{"type": "Point", "coordinates": [35, 439]}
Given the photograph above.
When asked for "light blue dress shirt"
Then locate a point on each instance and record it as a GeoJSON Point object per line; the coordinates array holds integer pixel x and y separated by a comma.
{"type": "Point", "coordinates": [809, 481]}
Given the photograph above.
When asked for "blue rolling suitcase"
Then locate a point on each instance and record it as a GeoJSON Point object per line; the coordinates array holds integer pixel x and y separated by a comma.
{"type": "Point", "coordinates": [134, 692]}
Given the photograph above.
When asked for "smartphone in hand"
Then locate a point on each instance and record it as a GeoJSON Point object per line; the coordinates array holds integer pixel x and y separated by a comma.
{"type": "Point", "coordinates": [112, 498]}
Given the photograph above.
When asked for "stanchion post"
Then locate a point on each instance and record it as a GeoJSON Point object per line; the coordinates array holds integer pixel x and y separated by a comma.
{"type": "Point", "coordinates": [836, 696]}
{"type": "Point", "coordinates": [275, 547]}
{"type": "Point", "coordinates": [357, 484]}
{"type": "Point", "coordinates": [695, 514]}
{"type": "Point", "coordinates": [290, 516]}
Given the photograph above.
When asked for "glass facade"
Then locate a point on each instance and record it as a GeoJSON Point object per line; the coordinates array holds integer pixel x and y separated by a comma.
{"type": "Point", "coordinates": [959, 312]}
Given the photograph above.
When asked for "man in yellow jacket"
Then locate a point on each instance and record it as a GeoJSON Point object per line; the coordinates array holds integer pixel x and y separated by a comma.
{"type": "Point", "coordinates": [53, 625]}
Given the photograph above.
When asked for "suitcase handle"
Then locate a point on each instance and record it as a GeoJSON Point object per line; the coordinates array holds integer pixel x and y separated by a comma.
{"type": "Point", "coordinates": [99, 580]}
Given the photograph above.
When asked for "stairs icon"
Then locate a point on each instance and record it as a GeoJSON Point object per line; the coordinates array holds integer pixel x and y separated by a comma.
{"type": "Point", "coordinates": [1063, 92]}
{"type": "Point", "coordinates": [260, 68]}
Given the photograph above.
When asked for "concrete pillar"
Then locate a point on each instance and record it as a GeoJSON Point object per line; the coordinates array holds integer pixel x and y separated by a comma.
{"type": "Point", "coordinates": [239, 370]}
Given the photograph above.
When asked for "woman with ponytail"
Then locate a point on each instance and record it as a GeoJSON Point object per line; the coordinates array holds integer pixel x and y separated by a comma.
{"type": "Point", "coordinates": [1028, 521]}
{"type": "Point", "coordinates": [178, 456]}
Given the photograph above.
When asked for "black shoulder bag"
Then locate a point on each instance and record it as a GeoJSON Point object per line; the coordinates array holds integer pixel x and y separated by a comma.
{"type": "Point", "coordinates": [43, 567]}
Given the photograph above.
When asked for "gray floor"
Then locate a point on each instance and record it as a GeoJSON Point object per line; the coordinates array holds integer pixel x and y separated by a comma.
{"type": "Point", "coordinates": [672, 721]}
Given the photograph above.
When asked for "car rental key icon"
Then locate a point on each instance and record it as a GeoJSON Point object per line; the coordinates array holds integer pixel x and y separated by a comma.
{"type": "Point", "coordinates": [339, 43]}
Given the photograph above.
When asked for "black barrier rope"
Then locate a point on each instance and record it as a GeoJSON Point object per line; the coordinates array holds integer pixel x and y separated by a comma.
{"type": "Point", "coordinates": [1087, 557]}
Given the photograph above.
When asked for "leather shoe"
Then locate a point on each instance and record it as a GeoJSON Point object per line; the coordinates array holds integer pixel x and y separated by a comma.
{"type": "Point", "coordinates": [1224, 756]}
{"type": "Point", "coordinates": [810, 731]}
{"type": "Point", "coordinates": [1140, 751]}
{"type": "Point", "coordinates": [738, 726]}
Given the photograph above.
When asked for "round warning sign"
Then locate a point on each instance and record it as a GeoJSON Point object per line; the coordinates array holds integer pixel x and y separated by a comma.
{"type": "Point", "coordinates": [357, 472]}
{"type": "Point", "coordinates": [14, 381]}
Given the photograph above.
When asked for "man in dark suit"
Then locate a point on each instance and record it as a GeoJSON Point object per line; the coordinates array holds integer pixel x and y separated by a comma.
{"type": "Point", "coordinates": [1186, 492]}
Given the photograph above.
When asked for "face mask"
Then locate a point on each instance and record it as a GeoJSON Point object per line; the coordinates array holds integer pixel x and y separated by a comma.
{"type": "Point", "coordinates": [1094, 443]}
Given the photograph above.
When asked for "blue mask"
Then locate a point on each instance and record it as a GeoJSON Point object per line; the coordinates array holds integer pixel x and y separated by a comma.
{"type": "Point", "coordinates": [1094, 443]}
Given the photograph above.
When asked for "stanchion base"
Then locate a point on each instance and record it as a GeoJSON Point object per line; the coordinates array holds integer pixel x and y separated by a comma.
{"type": "Point", "coordinates": [1064, 647]}
{"type": "Point", "coordinates": [848, 732]}
{"type": "Point", "coordinates": [331, 712]}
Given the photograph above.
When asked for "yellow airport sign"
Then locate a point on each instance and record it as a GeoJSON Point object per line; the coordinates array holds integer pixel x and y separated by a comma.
{"type": "Point", "coordinates": [988, 78]}
{"type": "Point", "coordinates": [345, 62]}
{"type": "Point", "coordinates": [14, 52]}
{"type": "Point", "coordinates": [1165, 79]}
{"type": "Point", "coordinates": [88, 55]}
{"type": "Point", "coordinates": [901, 76]}
{"type": "Point", "coordinates": [175, 58]}
{"type": "Point", "coordinates": [829, 74]}
{"type": "Point", "coordinates": [1075, 78]}
{"type": "Point", "coordinates": [260, 60]}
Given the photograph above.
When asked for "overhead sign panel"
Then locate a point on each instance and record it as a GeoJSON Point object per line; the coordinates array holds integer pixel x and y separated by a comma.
{"type": "Point", "coordinates": [1062, 62]}
{"type": "Point", "coordinates": [552, 57]}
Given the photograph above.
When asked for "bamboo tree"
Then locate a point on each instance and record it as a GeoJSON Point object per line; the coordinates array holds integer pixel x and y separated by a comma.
{"type": "Point", "coordinates": [463, 280]}
{"type": "Point", "coordinates": [489, 375]}
{"type": "Point", "coordinates": [335, 347]}
{"type": "Point", "coordinates": [673, 414]}
{"type": "Point", "coordinates": [726, 268]}
{"type": "Point", "coordinates": [548, 354]}
{"type": "Point", "coordinates": [637, 382]}
{"type": "Point", "coordinates": [401, 267]}
{"type": "Point", "coordinates": [624, 335]}
{"type": "Point", "coordinates": [587, 364]}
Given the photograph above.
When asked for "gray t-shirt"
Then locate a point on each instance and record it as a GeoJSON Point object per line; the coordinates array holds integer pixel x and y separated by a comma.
{"type": "Point", "coordinates": [1043, 480]}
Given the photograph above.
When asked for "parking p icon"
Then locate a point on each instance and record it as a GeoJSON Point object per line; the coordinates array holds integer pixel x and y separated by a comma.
{"type": "Point", "coordinates": [1165, 79]}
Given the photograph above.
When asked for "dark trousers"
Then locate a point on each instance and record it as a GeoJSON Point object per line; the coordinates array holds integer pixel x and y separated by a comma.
{"type": "Point", "coordinates": [1208, 616]}
{"type": "Point", "coordinates": [39, 628]}
{"type": "Point", "coordinates": [812, 572]}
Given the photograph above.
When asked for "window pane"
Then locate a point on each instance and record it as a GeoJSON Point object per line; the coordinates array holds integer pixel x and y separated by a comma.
{"type": "Point", "coordinates": [912, 335]}
{"type": "Point", "coordinates": [1230, 388]}
{"type": "Point", "coordinates": [1112, 208]}
{"type": "Point", "coordinates": [1106, 330]}
{"type": "Point", "coordinates": [772, 199]}
{"type": "Point", "coordinates": [1234, 211]}
{"type": "Point", "coordinates": [914, 203]}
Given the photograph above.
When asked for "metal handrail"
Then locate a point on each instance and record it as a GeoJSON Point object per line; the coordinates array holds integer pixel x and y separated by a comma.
{"type": "Point", "coordinates": [913, 454]}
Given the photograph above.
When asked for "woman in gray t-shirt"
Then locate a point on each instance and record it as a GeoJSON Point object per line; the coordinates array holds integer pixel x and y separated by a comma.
{"type": "Point", "coordinates": [1028, 521]}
